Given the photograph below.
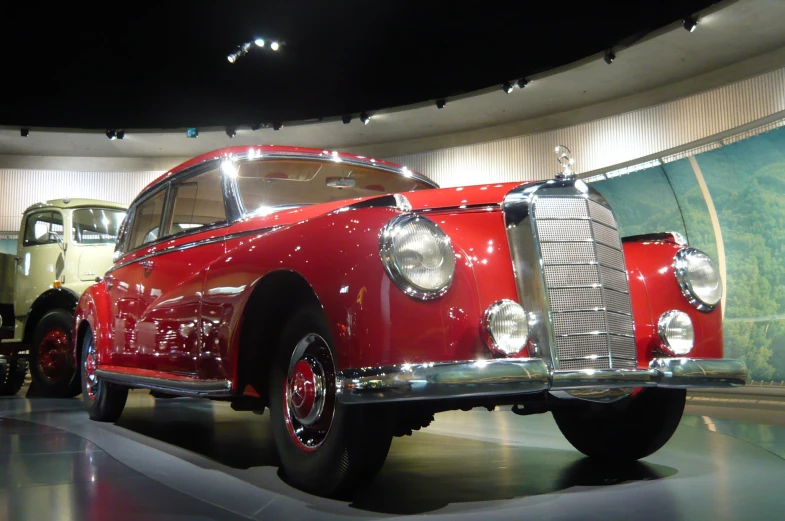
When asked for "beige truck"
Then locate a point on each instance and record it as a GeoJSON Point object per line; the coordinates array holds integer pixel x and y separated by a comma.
{"type": "Point", "coordinates": [63, 246]}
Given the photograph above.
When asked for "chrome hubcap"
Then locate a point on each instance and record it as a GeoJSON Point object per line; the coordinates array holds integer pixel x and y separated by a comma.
{"type": "Point", "coordinates": [309, 393]}
{"type": "Point", "coordinates": [90, 379]}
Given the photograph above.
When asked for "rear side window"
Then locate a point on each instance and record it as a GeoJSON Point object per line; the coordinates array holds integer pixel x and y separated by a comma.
{"type": "Point", "coordinates": [197, 202]}
{"type": "Point", "coordinates": [147, 220]}
{"type": "Point", "coordinates": [41, 227]}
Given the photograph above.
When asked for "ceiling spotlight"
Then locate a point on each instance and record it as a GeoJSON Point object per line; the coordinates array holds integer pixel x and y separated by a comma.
{"type": "Point", "coordinates": [609, 56]}
{"type": "Point", "coordinates": [277, 125]}
{"type": "Point", "coordinates": [690, 24]}
{"type": "Point", "coordinates": [440, 103]}
{"type": "Point", "coordinates": [256, 126]}
{"type": "Point", "coordinates": [120, 134]}
{"type": "Point", "coordinates": [24, 132]}
{"type": "Point", "coordinates": [111, 134]}
{"type": "Point", "coordinates": [192, 133]}
{"type": "Point", "coordinates": [259, 42]}
{"type": "Point", "coordinates": [230, 132]}
{"type": "Point", "coordinates": [522, 83]}
{"type": "Point", "coordinates": [231, 58]}
{"type": "Point", "coordinates": [346, 119]}
{"type": "Point", "coordinates": [507, 87]}
{"type": "Point", "coordinates": [275, 46]}
{"type": "Point", "coordinates": [365, 118]}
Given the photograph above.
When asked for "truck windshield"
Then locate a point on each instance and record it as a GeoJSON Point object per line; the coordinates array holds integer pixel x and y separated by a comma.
{"type": "Point", "coordinates": [96, 225]}
{"type": "Point", "coordinates": [270, 185]}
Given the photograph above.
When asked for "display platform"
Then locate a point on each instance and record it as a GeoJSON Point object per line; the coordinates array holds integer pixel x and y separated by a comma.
{"type": "Point", "coordinates": [180, 459]}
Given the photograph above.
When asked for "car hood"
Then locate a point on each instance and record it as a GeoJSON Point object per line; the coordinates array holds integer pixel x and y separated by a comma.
{"type": "Point", "coordinates": [421, 200]}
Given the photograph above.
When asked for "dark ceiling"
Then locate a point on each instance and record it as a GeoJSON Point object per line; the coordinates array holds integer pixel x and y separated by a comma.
{"type": "Point", "coordinates": [146, 65]}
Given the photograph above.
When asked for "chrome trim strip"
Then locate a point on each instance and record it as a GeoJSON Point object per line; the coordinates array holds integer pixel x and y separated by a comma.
{"type": "Point", "coordinates": [658, 236]}
{"type": "Point", "coordinates": [189, 245]}
{"type": "Point", "coordinates": [191, 388]}
{"type": "Point", "coordinates": [497, 377]}
{"type": "Point", "coordinates": [511, 376]}
{"type": "Point", "coordinates": [463, 207]}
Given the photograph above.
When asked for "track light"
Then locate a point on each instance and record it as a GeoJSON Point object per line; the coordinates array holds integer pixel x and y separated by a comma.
{"type": "Point", "coordinates": [609, 56]}
{"type": "Point", "coordinates": [256, 126]}
{"type": "Point", "coordinates": [24, 132]}
{"type": "Point", "coordinates": [365, 118]}
{"type": "Point", "coordinates": [275, 46]}
{"type": "Point", "coordinates": [507, 87]}
{"type": "Point", "coordinates": [120, 134]}
{"type": "Point", "coordinates": [259, 42]}
{"type": "Point", "coordinates": [522, 83]}
{"type": "Point", "coordinates": [230, 132]}
{"type": "Point", "coordinates": [440, 103]}
{"type": "Point", "coordinates": [690, 24]}
{"type": "Point", "coordinates": [231, 58]}
{"type": "Point", "coordinates": [111, 134]}
{"type": "Point", "coordinates": [346, 119]}
{"type": "Point", "coordinates": [277, 125]}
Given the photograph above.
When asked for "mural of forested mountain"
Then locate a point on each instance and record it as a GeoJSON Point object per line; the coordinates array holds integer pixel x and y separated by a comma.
{"type": "Point", "coordinates": [746, 181]}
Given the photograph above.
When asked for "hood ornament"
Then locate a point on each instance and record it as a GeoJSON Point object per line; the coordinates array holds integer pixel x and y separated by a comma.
{"type": "Point", "coordinates": [565, 159]}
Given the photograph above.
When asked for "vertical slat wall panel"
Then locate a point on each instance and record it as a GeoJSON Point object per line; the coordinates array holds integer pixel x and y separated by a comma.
{"type": "Point", "coordinates": [21, 188]}
{"type": "Point", "coordinates": [609, 141]}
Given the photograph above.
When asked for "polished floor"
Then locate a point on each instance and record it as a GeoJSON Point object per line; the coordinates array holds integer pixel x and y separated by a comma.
{"type": "Point", "coordinates": [183, 459]}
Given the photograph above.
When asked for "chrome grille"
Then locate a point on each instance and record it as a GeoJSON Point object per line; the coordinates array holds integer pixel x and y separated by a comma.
{"type": "Point", "coordinates": [585, 282]}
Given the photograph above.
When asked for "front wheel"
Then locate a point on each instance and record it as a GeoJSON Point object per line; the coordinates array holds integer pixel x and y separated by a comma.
{"type": "Point", "coordinates": [325, 448]}
{"type": "Point", "coordinates": [623, 431]}
{"type": "Point", "coordinates": [51, 358]}
{"type": "Point", "coordinates": [103, 401]}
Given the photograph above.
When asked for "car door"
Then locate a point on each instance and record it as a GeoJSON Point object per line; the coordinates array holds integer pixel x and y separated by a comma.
{"type": "Point", "coordinates": [40, 258]}
{"type": "Point", "coordinates": [171, 276]}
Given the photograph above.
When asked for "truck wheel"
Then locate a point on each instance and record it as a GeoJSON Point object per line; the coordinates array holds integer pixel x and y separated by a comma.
{"type": "Point", "coordinates": [12, 376]}
{"type": "Point", "coordinates": [325, 448]}
{"type": "Point", "coordinates": [623, 431]}
{"type": "Point", "coordinates": [51, 356]}
{"type": "Point", "coordinates": [103, 401]}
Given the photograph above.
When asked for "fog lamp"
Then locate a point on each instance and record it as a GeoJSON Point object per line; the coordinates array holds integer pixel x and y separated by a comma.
{"type": "Point", "coordinates": [506, 327]}
{"type": "Point", "coordinates": [676, 332]}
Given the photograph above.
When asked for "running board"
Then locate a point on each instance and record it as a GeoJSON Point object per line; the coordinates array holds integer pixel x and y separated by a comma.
{"type": "Point", "coordinates": [186, 387]}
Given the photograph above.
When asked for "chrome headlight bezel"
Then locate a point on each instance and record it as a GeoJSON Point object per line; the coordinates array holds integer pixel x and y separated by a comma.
{"type": "Point", "coordinates": [662, 326]}
{"type": "Point", "coordinates": [681, 264]}
{"type": "Point", "coordinates": [387, 255]}
{"type": "Point", "coordinates": [488, 332]}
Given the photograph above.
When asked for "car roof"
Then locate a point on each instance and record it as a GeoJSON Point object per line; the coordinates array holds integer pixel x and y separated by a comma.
{"type": "Point", "coordinates": [76, 203]}
{"type": "Point", "coordinates": [272, 150]}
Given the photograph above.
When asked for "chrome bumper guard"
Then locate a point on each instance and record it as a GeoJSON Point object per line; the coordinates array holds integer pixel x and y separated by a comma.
{"type": "Point", "coordinates": [511, 376]}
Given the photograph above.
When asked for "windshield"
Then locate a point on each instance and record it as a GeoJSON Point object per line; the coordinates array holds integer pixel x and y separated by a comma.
{"type": "Point", "coordinates": [271, 185]}
{"type": "Point", "coordinates": [96, 225]}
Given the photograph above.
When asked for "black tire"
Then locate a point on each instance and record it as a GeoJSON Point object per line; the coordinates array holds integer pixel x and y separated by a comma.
{"type": "Point", "coordinates": [12, 375]}
{"type": "Point", "coordinates": [623, 431]}
{"type": "Point", "coordinates": [103, 401]}
{"type": "Point", "coordinates": [354, 444]}
{"type": "Point", "coordinates": [52, 366]}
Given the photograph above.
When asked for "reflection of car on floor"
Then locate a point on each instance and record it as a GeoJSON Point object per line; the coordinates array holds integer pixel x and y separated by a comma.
{"type": "Point", "coordinates": [42, 284]}
{"type": "Point", "coordinates": [290, 279]}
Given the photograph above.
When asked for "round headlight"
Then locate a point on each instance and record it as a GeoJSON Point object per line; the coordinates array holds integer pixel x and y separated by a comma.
{"type": "Point", "coordinates": [506, 327]}
{"type": "Point", "coordinates": [676, 332]}
{"type": "Point", "coordinates": [698, 278]}
{"type": "Point", "coordinates": [417, 255]}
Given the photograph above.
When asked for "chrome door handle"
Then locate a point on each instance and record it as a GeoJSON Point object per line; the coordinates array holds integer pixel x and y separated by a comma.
{"type": "Point", "coordinates": [109, 279]}
{"type": "Point", "coordinates": [148, 264]}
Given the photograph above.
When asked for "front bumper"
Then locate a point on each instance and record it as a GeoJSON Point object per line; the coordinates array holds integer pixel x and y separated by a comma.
{"type": "Point", "coordinates": [512, 376]}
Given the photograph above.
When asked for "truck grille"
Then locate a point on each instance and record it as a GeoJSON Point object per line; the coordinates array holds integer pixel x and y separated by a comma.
{"type": "Point", "coordinates": [585, 283]}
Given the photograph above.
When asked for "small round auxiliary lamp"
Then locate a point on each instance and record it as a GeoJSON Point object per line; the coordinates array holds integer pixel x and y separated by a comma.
{"type": "Point", "coordinates": [565, 159]}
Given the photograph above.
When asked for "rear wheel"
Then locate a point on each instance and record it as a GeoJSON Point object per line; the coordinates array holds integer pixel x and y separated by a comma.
{"type": "Point", "coordinates": [622, 431]}
{"type": "Point", "coordinates": [51, 356]}
{"type": "Point", "coordinates": [12, 375]}
{"type": "Point", "coordinates": [103, 401]}
{"type": "Point", "coordinates": [325, 448]}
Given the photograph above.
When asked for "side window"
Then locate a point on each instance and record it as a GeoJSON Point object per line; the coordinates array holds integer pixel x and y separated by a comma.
{"type": "Point", "coordinates": [40, 228]}
{"type": "Point", "coordinates": [197, 201]}
{"type": "Point", "coordinates": [147, 220]}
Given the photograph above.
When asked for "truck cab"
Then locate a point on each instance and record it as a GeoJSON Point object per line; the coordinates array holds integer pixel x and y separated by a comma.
{"type": "Point", "coordinates": [63, 246]}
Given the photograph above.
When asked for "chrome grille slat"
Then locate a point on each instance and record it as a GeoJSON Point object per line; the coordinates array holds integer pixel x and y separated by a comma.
{"type": "Point", "coordinates": [585, 282]}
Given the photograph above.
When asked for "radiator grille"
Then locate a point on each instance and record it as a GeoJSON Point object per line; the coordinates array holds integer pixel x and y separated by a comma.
{"type": "Point", "coordinates": [585, 279]}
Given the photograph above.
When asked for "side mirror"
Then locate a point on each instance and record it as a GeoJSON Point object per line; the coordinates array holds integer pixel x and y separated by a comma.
{"type": "Point", "coordinates": [59, 240]}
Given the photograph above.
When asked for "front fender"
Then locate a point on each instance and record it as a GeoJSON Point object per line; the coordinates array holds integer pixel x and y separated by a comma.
{"type": "Point", "coordinates": [94, 310]}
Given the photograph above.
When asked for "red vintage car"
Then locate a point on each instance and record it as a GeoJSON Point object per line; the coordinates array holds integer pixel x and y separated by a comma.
{"type": "Point", "coordinates": [354, 299]}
